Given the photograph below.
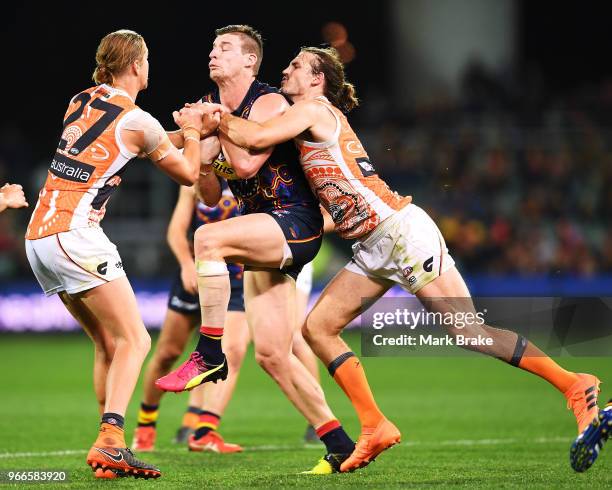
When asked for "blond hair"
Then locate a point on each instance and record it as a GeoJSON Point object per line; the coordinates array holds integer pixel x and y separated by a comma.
{"type": "Point", "coordinates": [116, 52]}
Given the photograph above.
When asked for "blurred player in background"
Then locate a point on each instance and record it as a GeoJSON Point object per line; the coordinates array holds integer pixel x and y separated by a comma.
{"type": "Point", "coordinates": [12, 196]}
{"type": "Point", "coordinates": [70, 254]}
{"type": "Point", "coordinates": [397, 243]}
{"type": "Point", "coordinates": [278, 233]}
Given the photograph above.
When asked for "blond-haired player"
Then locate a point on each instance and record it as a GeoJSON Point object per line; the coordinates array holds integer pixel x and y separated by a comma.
{"type": "Point", "coordinates": [68, 251]}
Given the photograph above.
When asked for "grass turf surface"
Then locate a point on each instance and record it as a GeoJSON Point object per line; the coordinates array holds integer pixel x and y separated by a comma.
{"type": "Point", "coordinates": [465, 422]}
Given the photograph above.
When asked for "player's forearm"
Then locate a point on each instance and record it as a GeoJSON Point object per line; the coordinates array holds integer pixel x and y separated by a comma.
{"type": "Point", "coordinates": [3, 202]}
{"type": "Point", "coordinates": [191, 152]}
{"type": "Point", "coordinates": [245, 163]}
{"type": "Point", "coordinates": [177, 240]}
{"type": "Point", "coordinates": [241, 132]}
{"type": "Point", "coordinates": [176, 137]}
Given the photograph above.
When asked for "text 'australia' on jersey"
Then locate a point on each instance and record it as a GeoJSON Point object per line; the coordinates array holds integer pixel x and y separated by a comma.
{"type": "Point", "coordinates": [88, 162]}
{"type": "Point", "coordinates": [280, 182]}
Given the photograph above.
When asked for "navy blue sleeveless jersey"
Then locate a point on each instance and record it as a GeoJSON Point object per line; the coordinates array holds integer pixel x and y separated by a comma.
{"type": "Point", "coordinates": [280, 183]}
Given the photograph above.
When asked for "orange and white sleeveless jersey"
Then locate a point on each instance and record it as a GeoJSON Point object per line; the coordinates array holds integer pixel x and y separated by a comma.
{"type": "Point", "coordinates": [88, 162]}
{"type": "Point", "coordinates": [347, 185]}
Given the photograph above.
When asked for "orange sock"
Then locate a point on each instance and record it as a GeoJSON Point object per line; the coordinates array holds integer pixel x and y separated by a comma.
{"type": "Point", "coordinates": [548, 369]}
{"type": "Point", "coordinates": [110, 436]}
{"type": "Point", "coordinates": [350, 376]}
{"type": "Point", "coordinates": [528, 357]}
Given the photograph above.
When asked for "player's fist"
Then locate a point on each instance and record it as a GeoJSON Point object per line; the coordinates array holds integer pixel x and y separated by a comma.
{"type": "Point", "coordinates": [188, 117]}
{"type": "Point", "coordinates": [12, 196]}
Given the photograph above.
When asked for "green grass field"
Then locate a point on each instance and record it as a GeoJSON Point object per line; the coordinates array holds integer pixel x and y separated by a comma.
{"type": "Point", "coordinates": [471, 422]}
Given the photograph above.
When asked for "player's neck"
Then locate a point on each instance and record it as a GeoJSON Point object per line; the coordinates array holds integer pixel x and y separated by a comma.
{"type": "Point", "coordinates": [233, 91]}
{"type": "Point", "coordinates": [128, 86]}
{"type": "Point", "coordinates": [308, 95]}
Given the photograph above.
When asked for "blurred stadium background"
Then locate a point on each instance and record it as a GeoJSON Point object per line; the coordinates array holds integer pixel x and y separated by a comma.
{"type": "Point", "coordinates": [493, 114]}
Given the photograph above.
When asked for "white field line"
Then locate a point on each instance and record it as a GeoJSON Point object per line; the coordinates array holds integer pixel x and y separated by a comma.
{"type": "Point", "coordinates": [272, 447]}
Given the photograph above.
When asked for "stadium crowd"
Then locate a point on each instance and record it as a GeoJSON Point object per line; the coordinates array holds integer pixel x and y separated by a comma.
{"type": "Point", "coordinates": [516, 186]}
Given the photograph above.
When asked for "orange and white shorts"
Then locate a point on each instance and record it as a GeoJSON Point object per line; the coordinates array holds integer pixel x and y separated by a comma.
{"type": "Point", "coordinates": [74, 261]}
{"type": "Point", "coordinates": [407, 248]}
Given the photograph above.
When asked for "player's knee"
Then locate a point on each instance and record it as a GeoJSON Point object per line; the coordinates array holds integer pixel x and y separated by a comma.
{"type": "Point", "coordinates": [235, 354]}
{"type": "Point", "coordinates": [207, 244]}
{"type": "Point", "coordinates": [167, 355]}
{"type": "Point", "coordinates": [140, 343]}
{"type": "Point", "coordinates": [313, 331]}
{"type": "Point", "coordinates": [272, 362]}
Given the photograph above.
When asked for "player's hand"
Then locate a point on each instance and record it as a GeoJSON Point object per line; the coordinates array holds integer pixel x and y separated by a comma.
{"type": "Point", "coordinates": [189, 278]}
{"type": "Point", "coordinates": [12, 196]}
{"type": "Point", "coordinates": [188, 117]}
{"type": "Point", "coordinates": [210, 147]}
{"type": "Point", "coordinates": [211, 116]}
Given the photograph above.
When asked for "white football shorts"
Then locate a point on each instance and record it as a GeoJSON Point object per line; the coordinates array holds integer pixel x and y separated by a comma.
{"type": "Point", "coordinates": [74, 261]}
{"type": "Point", "coordinates": [407, 248]}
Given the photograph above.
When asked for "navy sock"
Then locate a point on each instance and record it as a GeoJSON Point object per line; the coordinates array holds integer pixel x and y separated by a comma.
{"type": "Point", "coordinates": [209, 345]}
{"type": "Point", "coordinates": [336, 440]}
{"type": "Point", "coordinates": [113, 419]}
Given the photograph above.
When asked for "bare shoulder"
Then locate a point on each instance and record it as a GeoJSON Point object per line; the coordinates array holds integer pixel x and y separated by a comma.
{"type": "Point", "coordinates": [268, 106]}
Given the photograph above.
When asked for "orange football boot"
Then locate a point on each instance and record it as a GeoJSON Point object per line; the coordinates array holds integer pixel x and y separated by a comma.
{"type": "Point", "coordinates": [213, 442]}
{"type": "Point", "coordinates": [109, 453]}
{"type": "Point", "coordinates": [371, 442]}
{"type": "Point", "coordinates": [144, 439]}
{"type": "Point", "coordinates": [582, 399]}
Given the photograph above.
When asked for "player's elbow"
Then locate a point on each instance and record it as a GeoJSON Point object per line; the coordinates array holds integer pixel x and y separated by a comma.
{"type": "Point", "coordinates": [187, 179]}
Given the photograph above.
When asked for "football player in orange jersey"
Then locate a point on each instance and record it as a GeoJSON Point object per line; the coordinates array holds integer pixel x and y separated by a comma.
{"type": "Point", "coordinates": [397, 243]}
{"type": "Point", "coordinates": [12, 196]}
{"type": "Point", "coordinates": [70, 254]}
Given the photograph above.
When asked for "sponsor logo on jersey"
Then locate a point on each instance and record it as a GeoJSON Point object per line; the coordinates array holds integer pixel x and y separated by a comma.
{"type": "Point", "coordinates": [367, 169]}
{"type": "Point", "coordinates": [223, 168]}
{"type": "Point", "coordinates": [69, 169]}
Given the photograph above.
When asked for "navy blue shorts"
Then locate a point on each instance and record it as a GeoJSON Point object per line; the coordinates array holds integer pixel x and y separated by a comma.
{"type": "Point", "coordinates": [189, 304]}
{"type": "Point", "coordinates": [303, 230]}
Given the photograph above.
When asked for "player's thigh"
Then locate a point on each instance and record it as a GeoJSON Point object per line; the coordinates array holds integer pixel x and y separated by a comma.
{"type": "Point", "coordinates": [270, 308]}
{"type": "Point", "coordinates": [342, 300]}
{"type": "Point", "coordinates": [254, 239]}
{"type": "Point", "coordinates": [447, 293]}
